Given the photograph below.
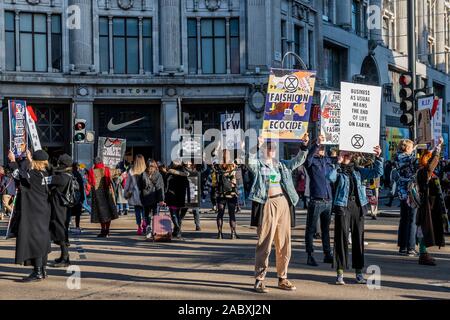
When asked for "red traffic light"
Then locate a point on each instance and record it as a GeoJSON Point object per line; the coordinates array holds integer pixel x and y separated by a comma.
{"type": "Point", "coordinates": [405, 80]}
{"type": "Point", "coordinates": [80, 125]}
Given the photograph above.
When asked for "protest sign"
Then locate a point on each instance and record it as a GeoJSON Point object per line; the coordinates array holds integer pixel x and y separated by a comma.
{"type": "Point", "coordinates": [437, 120]}
{"type": "Point", "coordinates": [288, 104]}
{"type": "Point", "coordinates": [230, 125]}
{"type": "Point", "coordinates": [32, 130]}
{"type": "Point", "coordinates": [17, 127]}
{"type": "Point", "coordinates": [111, 151]}
{"type": "Point", "coordinates": [393, 137]}
{"type": "Point", "coordinates": [330, 116]}
{"type": "Point", "coordinates": [240, 187]}
{"type": "Point", "coordinates": [191, 147]}
{"type": "Point", "coordinates": [193, 197]}
{"type": "Point", "coordinates": [424, 127]}
{"type": "Point", "coordinates": [360, 117]}
{"type": "Point", "coordinates": [425, 102]}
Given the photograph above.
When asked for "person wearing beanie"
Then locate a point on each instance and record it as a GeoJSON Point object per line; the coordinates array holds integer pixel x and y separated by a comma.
{"type": "Point", "coordinates": [431, 215]}
{"type": "Point", "coordinates": [60, 219]}
{"type": "Point", "coordinates": [33, 211]}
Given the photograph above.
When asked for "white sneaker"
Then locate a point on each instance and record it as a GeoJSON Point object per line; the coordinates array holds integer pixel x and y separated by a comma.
{"type": "Point", "coordinates": [148, 232]}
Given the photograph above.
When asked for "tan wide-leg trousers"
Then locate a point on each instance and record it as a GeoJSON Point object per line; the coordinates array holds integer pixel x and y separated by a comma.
{"type": "Point", "coordinates": [275, 225]}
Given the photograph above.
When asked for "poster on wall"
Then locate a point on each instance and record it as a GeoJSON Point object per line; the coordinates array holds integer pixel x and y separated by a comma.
{"type": "Point", "coordinates": [288, 104]}
{"type": "Point", "coordinates": [230, 126]}
{"type": "Point", "coordinates": [111, 151]}
{"type": "Point", "coordinates": [393, 137]}
{"type": "Point", "coordinates": [18, 137]}
{"type": "Point", "coordinates": [360, 117]}
{"type": "Point", "coordinates": [330, 116]}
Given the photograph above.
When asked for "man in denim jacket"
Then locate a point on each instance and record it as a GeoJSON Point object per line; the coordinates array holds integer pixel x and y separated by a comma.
{"type": "Point", "coordinates": [349, 207]}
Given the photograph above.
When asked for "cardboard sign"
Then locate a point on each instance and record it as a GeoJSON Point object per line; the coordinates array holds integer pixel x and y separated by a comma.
{"type": "Point", "coordinates": [360, 117]}
{"type": "Point", "coordinates": [330, 116]}
{"type": "Point", "coordinates": [17, 127]}
{"type": "Point", "coordinates": [32, 131]}
{"type": "Point", "coordinates": [424, 127]}
{"type": "Point", "coordinates": [111, 150]}
{"type": "Point", "coordinates": [230, 126]}
{"type": "Point", "coordinates": [288, 104]}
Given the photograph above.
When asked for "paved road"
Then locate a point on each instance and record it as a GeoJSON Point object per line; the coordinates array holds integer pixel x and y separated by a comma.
{"type": "Point", "coordinates": [199, 266]}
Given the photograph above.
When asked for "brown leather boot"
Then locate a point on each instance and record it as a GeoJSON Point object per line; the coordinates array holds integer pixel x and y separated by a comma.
{"type": "Point", "coordinates": [426, 259]}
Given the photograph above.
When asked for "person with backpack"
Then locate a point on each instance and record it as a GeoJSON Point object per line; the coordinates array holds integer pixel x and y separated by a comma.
{"type": "Point", "coordinates": [151, 187]}
{"type": "Point", "coordinates": [191, 170]}
{"type": "Point", "coordinates": [350, 207]}
{"type": "Point", "coordinates": [432, 217]}
{"type": "Point", "coordinates": [62, 185]}
{"type": "Point", "coordinates": [32, 212]}
{"type": "Point", "coordinates": [132, 193]}
{"type": "Point", "coordinates": [227, 195]}
{"type": "Point", "coordinates": [175, 194]}
{"type": "Point", "coordinates": [76, 210]}
{"type": "Point", "coordinates": [406, 165]}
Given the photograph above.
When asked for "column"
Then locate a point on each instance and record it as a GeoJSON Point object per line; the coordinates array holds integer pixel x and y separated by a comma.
{"type": "Point", "coordinates": [402, 25]}
{"type": "Point", "coordinates": [3, 142]}
{"type": "Point", "coordinates": [170, 35]}
{"type": "Point", "coordinates": [318, 40]}
{"type": "Point", "coordinates": [17, 28]}
{"type": "Point", "coordinates": [421, 41]}
{"type": "Point", "coordinates": [81, 48]}
{"type": "Point", "coordinates": [440, 35]}
{"type": "Point", "coordinates": [141, 48]}
{"type": "Point", "coordinates": [169, 125]}
{"type": "Point", "coordinates": [257, 21]}
{"type": "Point", "coordinates": [111, 51]}
{"type": "Point", "coordinates": [276, 27]}
{"type": "Point", "coordinates": [344, 14]}
{"type": "Point", "coordinates": [376, 34]}
{"type": "Point", "coordinates": [227, 30]}
{"type": "Point", "coordinates": [84, 152]}
{"type": "Point", "coordinates": [49, 43]}
{"type": "Point", "coordinates": [199, 45]}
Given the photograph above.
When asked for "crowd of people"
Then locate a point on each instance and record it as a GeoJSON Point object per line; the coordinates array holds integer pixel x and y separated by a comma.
{"type": "Point", "coordinates": [342, 184]}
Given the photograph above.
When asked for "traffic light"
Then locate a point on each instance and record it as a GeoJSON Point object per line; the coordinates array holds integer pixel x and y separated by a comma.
{"type": "Point", "coordinates": [407, 99]}
{"type": "Point", "coordinates": [79, 129]}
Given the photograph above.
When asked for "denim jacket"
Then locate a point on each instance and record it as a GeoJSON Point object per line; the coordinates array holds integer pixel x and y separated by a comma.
{"type": "Point", "coordinates": [360, 174]}
{"type": "Point", "coordinates": [260, 170]}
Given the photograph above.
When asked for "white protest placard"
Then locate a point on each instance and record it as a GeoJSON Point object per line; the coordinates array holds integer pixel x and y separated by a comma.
{"type": "Point", "coordinates": [360, 117]}
{"type": "Point", "coordinates": [330, 116]}
{"type": "Point", "coordinates": [32, 132]}
{"type": "Point", "coordinates": [230, 124]}
{"type": "Point", "coordinates": [425, 102]}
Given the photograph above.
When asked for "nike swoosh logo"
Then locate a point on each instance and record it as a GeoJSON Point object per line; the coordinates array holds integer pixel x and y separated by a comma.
{"type": "Point", "coordinates": [114, 127]}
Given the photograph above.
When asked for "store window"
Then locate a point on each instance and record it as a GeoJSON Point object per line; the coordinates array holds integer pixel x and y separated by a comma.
{"type": "Point", "coordinates": [125, 50]}
{"type": "Point", "coordinates": [56, 43]}
{"type": "Point", "coordinates": [356, 17]}
{"type": "Point", "coordinates": [213, 48]}
{"type": "Point", "coordinates": [10, 41]}
{"type": "Point", "coordinates": [284, 42]}
{"type": "Point", "coordinates": [334, 65]}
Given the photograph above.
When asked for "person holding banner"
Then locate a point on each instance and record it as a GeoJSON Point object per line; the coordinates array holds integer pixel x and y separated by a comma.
{"type": "Point", "coordinates": [104, 209]}
{"type": "Point", "coordinates": [349, 207]}
{"type": "Point", "coordinates": [432, 214]}
{"type": "Point", "coordinates": [273, 195]}
{"type": "Point", "coordinates": [33, 212]}
{"type": "Point", "coordinates": [321, 196]}
{"type": "Point", "coordinates": [195, 175]}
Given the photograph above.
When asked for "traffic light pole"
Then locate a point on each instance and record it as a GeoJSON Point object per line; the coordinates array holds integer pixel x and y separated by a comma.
{"type": "Point", "coordinates": [412, 55]}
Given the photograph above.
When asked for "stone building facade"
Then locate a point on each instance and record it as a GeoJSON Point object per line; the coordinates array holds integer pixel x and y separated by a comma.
{"type": "Point", "coordinates": [169, 62]}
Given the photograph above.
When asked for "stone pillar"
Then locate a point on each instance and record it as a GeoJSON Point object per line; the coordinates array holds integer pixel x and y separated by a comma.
{"type": "Point", "coordinates": [81, 48]}
{"type": "Point", "coordinates": [276, 33]}
{"type": "Point", "coordinates": [344, 14]}
{"type": "Point", "coordinates": [421, 34]}
{"type": "Point", "coordinates": [402, 25]}
{"type": "Point", "coordinates": [440, 35]}
{"type": "Point", "coordinates": [170, 34]}
{"type": "Point", "coordinates": [3, 142]}
{"type": "Point", "coordinates": [169, 124]}
{"type": "Point", "coordinates": [83, 152]}
{"type": "Point", "coordinates": [49, 43]}
{"type": "Point", "coordinates": [258, 39]}
{"type": "Point", "coordinates": [318, 40]}
{"type": "Point", "coordinates": [17, 28]}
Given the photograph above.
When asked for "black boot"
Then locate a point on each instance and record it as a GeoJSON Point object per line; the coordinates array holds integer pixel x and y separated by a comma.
{"type": "Point", "coordinates": [44, 272]}
{"type": "Point", "coordinates": [328, 258]}
{"type": "Point", "coordinates": [311, 261]}
{"type": "Point", "coordinates": [219, 228]}
{"type": "Point", "coordinates": [234, 235]}
{"type": "Point", "coordinates": [36, 275]}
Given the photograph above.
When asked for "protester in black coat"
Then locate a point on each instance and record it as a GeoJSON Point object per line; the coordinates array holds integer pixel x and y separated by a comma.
{"type": "Point", "coordinates": [176, 189]}
{"type": "Point", "coordinates": [76, 210]}
{"type": "Point", "coordinates": [33, 211]}
{"type": "Point", "coordinates": [59, 225]}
